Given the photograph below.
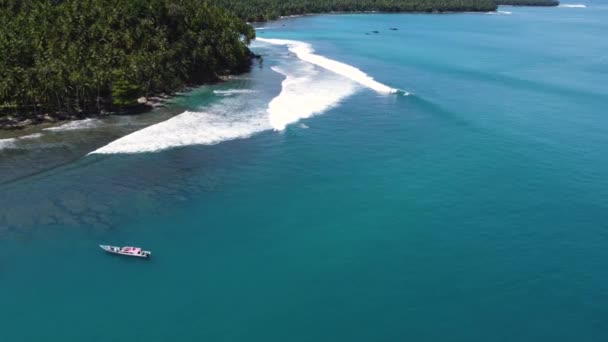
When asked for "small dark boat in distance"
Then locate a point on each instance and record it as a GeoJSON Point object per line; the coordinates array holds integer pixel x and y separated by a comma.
{"type": "Point", "coordinates": [127, 251]}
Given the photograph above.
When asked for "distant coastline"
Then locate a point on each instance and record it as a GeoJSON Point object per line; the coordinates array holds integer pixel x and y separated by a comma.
{"type": "Point", "coordinates": [258, 11]}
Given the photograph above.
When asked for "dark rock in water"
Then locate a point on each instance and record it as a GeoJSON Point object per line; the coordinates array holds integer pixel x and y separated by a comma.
{"type": "Point", "coordinates": [376, 31]}
{"type": "Point", "coordinates": [367, 33]}
{"type": "Point", "coordinates": [393, 29]}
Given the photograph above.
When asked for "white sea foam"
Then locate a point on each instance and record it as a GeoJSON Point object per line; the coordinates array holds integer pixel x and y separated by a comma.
{"type": "Point", "coordinates": [304, 93]}
{"type": "Point", "coordinates": [312, 85]}
{"type": "Point", "coordinates": [229, 92]}
{"type": "Point", "coordinates": [74, 125]}
{"type": "Point", "coordinates": [12, 142]}
{"type": "Point", "coordinates": [225, 121]}
{"type": "Point", "coordinates": [572, 6]}
{"type": "Point", "coordinates": [306, 53]}
{"type": "Point", "coordinates": [31, 136]}
{"type": "Point", "coordinates": [7, 143]}
{"type": "Point", "coordinates": [500, 12]}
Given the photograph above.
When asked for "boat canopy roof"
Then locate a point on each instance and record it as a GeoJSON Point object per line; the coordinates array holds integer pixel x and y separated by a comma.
{"type": "Point", "coordinates": [131, 249]}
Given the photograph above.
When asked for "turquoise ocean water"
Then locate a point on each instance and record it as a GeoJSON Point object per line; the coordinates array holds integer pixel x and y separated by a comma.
{"type": "Point", "coordinates": [304, 202]}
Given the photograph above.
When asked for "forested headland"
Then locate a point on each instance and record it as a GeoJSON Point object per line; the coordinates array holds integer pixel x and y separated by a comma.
{"type": "Point", "coordinates": [90, 56]}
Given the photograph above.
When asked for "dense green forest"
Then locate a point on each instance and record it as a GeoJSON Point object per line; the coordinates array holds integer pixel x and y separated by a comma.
{"type": "Point", "coordinates": [527, 2]}
{"type": "Point", "coordinates": [263, 10]}
{"type": "Point", "coordinates": [88, 56]}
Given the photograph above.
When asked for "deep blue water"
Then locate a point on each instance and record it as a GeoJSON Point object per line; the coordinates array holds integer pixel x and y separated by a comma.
{"type": "Point", "coordinates": [474, 209]}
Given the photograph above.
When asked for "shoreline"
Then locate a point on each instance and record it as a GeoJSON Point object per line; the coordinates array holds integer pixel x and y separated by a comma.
{"type": "Point", "coordinates": [17, 123]}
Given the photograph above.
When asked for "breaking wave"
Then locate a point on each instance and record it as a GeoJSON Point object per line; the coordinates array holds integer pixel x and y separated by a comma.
{"type": "Point", "coordinates": [312, 84]}
{"type": "Point", "coordinates": [500, 12]}
{"type": "Point", "coordinates": [305, 52]}
{"type": "Point", "coordinates": [305, 93]}
{"type": "Point", "coordinates": [227, 120]}
{"type": "Point", "coordinates": [572, 6]}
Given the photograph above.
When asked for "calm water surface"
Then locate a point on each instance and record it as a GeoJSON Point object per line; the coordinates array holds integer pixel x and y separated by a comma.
{"type": "Point", "coordinates": [474, 209]}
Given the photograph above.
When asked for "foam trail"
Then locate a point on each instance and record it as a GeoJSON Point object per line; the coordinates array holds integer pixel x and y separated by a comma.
{"type": "Point", "coordinates": [500, 12]}
{"type": "Point", "coordinates": [306, 53]}
{"type": "Point", "coordinates": [12, 142]}
{"type": "Point", "coordinates": [572, 6]}
{"type": "Point", "coordinates": [229, 92]}
{"type": "Point", "coordinates": [305, 93]}
{"type": "Point", "coordinates": [7, 143]}
{"type": "Point", "coordinates": [74, 125]}
{"type": "Point", "coordinates": [32, 136]}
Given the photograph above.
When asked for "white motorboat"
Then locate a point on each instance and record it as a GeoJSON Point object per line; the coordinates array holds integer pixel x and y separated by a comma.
{"type": "Point", "coordinates": [128, 251]}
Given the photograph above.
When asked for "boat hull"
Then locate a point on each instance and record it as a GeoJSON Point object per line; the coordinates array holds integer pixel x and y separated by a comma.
{"type": "Point", "coordinates": [120, 251]}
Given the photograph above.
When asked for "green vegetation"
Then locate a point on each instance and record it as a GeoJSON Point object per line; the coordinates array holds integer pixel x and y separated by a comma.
{"type": "Point", "coordinates": [263, 10]}
{"type": "Point", "coordinates": [527, 2]}
{"type": "Point", "coordinates": [88, 56]}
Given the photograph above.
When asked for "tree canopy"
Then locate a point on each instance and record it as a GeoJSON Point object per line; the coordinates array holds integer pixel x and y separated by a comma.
{"type": "Point", "coordinates": [93, 55]}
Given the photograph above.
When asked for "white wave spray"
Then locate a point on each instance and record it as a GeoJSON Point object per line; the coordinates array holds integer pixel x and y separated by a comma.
{"type": "Point", "coordinates": [224, 121]}
{"type": "Point", "coordinates": [32, 136]}
{"type": "Point", "coordinates": [12, 143]}
{"type": "Point", "coordinates": [75, 125]}
{"type": "Point", "coordinates": [306, 92]}
{"type": "Point", "coordinates": [306, 53]}
{"type": "Point", "coordinates": [7, 143]}
{"type": "Point", "coordinates": [312, 85]}
{"type": "Point", "coordinates": [572, 6]}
